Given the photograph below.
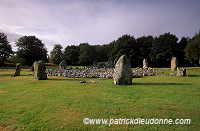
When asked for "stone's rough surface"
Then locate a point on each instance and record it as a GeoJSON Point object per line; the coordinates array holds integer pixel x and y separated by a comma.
{"type": "Point", "coordinates": [181, 72]}
{"type": "Point", "coordinates": [18, 69]}
{"type": "Point", "coordinates": [63, 64]}
{"type": "Point", "coordinates": [122, 73]}
{"type": "Point", "coordinates": [145, 63]}
{"type": "Point", "coordinates": [94, 72]}
{"type": "Point", "coordinates": [32, 67]}
{"type": "Point", "coordinates": [39, 70]}
{"type": "Point", "coordinates": [174, 63]}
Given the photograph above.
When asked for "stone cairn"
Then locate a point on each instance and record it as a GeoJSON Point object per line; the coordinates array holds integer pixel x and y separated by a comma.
{"type": "Point", "coordinates": [63, 64]}
{"type": "Point", "coordinates": [181, 72]}
{"type": "Point", "coordinates": [145, 64]}
{"type": "Point", "coordinates": [87, 72]}
{"type": "Point", "coordinates": [122, 73]}
{"type": "Point", "coordinates": [94, 72]}
{"type": "Point", "coordinates": [18, 69]}
{"type": "Point", "coordinates": [39, 70]}
{"type": "Point", "coordinates": [109, 64]}
{"type": "Point", "coordinates": [174, 63]}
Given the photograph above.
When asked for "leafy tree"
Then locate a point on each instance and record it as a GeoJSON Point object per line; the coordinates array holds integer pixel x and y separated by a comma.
{"type": "Point", "coordinates": [192, 50]}
{"type": "Point", "coordinates": [181, 54]}
{"type": "Point", "coordinates": [126, 44]}
{"type": "Point", "coordinates": [56, 54]}
{"type": "Point", "coordinates": [144, 44]}
{"type": "Point", "coordinates": [86, 56]}
{"type": "Point", "coordinates": [100, 53]}
{"type": "Point", "coordinates": [71, 55]}
{"type": "Point", "coordinates": [163, 49]}
{"type": "Point", "coordinates": [30, 49]}
{"type": "Point", "coordinates": [5, 48]}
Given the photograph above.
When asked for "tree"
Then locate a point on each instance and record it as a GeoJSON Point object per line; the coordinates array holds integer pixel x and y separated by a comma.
{"type": "Point", "coordinates": [100, 53]}
{"type": "Point", "coordinates": [30, 49]}
{"type": "Point", "coordinates": [181, 54]}
{"type": "Point", "coordinates": [71, 55]}
{"type": "Point", "coordinates": [5, 48]}
{"type": "Point", "coordinates": [163, 49]}
{"type": "Point", "coordinates": [86, 56]}
{"type": "Point", "coordinates": [125, 44]}
{"type": "Point", "coordinates": [192, 50]}
{"type": "Point", "coordinates": [56, 54]}
{"type": "Point", "coordinates": [144, 44]}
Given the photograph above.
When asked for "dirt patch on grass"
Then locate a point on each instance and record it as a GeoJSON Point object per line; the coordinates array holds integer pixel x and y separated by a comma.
{"type": "Point", "coordinates": [1, 92]}
{"type": "Point", "coordinates": [5, 128]}
{"type": "Point", "coordinates": [67, 114]}
{"type": "Point", "coordinates": [7, 125]}
{"type": "Point", "coordinates": [169, 111]}
{"type": "Point", "coordinates": [65, 118]}
{"type": "Point", "coordinates": [173, 106]}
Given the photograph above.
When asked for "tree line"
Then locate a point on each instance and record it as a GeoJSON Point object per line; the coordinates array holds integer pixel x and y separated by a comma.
{"type": "Point", "coordinates": [158, 50]}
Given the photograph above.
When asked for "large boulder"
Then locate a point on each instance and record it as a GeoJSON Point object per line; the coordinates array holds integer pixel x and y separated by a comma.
{"type": "Point", "coordinates": [181, 71]}
{"type": "Point", "coordinates": [18, 69]}
{"type": "Point", "coordinates": [63, 64]}
{"type": "Point", "coordinates": [39, 70]}
{"type": "Point", "coordinates": [174, 63]}
{"type": "Point", "coordinates": [145, 64]}
{"type": "Point", "coordinates": [122, 73]}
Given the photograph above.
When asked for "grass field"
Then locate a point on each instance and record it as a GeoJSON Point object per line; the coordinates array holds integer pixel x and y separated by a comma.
{"type": "Point", "coordinates": [61, 103]}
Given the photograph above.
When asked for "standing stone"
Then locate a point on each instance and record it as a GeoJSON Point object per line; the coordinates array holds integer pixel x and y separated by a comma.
{"type": "Point", "coordinates": [174, 63]}
{"type": "Point", "coordinates": [145, 64]}
{"type": "Point", "coordinates": [63, 64]}
{"type": "Point", "coordinates": [39, 70]}
{"type": "Point", "coordinates": [122, 73]}
{"type": "Point", "coordinates": [18, 69]}
{"type": "Point", "coordinates": [32, 67]}
{"type": "Point", "coordinates": [181, 72]}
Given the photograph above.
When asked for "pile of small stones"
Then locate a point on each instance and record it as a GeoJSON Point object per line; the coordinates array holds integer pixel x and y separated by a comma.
{"type": "Point", "coordinates": [93, 72]}
{"type": "Point", "coordinates": [89, 72]}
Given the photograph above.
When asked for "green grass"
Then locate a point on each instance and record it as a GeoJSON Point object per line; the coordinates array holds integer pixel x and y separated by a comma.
{"type": "Point", "coordinates": [61, 103]}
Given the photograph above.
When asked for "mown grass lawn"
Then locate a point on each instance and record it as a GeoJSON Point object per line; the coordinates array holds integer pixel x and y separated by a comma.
{"type": "Point", "coordinates": [61, 103]}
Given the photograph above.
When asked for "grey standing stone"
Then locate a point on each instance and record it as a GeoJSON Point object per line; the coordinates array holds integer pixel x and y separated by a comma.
{"type": "Point", "coordinates": [39, 70]}
{"type": "Point", "coordinates": [145, 64]}
{"type": "Point", "coordinates": [122, 73]}
{"type": "Point", "coordinates": [18, 69]}
{"type": "Point", "coordinates": [181, 72]}
{"type": "Point", "coordinates": [174, 63]}
{"type": "Point", "coordinates": [63, 64]}
{"type": "Point", "coordinates": [32, 67]}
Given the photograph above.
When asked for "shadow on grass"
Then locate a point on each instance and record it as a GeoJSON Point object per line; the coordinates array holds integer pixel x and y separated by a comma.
{"type": "Point", "coordinates": [67, 79]}
{"type": "Point", "coordinates": [194, 75]}
{"type": "Point", "coordinates": [161, 84]}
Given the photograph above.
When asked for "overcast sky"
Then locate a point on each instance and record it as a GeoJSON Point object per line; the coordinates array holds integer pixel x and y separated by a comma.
{"type": "Point", "coordinates": [71, 22]}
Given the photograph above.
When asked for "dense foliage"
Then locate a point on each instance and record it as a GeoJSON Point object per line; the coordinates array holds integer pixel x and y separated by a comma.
{"type": "Point", "coordinates": [56, 54]}
{"type": "Point", "coordinates": [158, 51]}
{"type": "Point", "coordinates": [30, 49]}
{"type": "Point", "coordinates": [5, 48]}
{"type": "Point", "coordinates": [192, 50]}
